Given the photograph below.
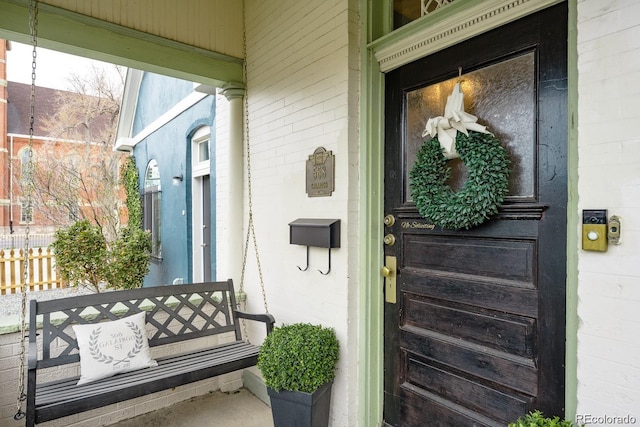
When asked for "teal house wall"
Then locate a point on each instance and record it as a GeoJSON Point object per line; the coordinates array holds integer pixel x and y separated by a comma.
{"type": "Point", "coordinates": [158, 111]}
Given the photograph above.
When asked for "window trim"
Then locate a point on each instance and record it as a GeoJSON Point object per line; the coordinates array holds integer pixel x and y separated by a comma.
{"type": "Point", "coordinates": [201, 136]}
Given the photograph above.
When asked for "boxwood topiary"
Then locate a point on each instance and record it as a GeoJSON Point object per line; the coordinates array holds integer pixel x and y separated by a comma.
{"type": "Point", "coordinates": [299, 357]}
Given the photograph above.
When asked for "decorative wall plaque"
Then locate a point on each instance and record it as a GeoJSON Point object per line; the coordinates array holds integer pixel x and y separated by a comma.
{"type": "Point", "coordinates": [320, 173]}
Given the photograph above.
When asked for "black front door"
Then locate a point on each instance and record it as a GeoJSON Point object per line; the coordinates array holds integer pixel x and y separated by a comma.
{"type": "Point", "coordinates": [477, 335]}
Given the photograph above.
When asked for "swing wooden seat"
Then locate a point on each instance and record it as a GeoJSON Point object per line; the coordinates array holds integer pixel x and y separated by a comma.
{"type": "Point", "coordinates": [178, 317]}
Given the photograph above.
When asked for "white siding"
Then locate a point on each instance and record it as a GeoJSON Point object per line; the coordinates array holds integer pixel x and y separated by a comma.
{"type": "Point", "coordinates": [609, 178]}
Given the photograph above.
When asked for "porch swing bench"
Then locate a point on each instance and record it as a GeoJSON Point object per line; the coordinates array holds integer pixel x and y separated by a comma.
{"type": "Point", "coordinates": [179, 318]}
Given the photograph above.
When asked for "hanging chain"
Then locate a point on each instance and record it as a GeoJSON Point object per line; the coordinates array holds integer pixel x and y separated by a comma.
{"type": "Point", "coordinates": [27, 181]}
{"type": "Point", "coordinates": [251, 232]}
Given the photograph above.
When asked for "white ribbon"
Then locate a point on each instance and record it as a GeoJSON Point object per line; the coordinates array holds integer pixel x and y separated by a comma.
{"type": "Point", "coordinates": [455, 120]}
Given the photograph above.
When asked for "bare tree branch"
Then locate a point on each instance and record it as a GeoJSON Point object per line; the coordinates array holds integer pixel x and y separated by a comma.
{"type": "Point", "coordinates": [76, 174]}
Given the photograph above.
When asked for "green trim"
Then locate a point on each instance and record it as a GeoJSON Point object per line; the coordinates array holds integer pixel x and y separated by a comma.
{"type": "Point", "coordinates": [571, 349]}
{"type": "Point", "coordinates": [371, 334]}
{"type": "Point", "coordinates": [370, 303]}
{"type": "Point", "coordinates": [419, 24]}
{"type": "Point", "coordinates": [380, 19]}
{"type": "Point", "coordinates": [58, 29]}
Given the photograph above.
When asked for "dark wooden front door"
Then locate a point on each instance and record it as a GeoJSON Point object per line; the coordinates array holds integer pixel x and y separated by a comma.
{"type": "Point", "coordinates": [476, 337]}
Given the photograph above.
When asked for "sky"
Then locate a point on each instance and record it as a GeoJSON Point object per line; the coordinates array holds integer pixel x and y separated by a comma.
{"type": "Point", "coordinates": [49, 72]}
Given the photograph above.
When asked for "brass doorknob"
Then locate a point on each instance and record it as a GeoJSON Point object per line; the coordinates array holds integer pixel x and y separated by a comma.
{"type": "Point", "coordinates": [386, 271]}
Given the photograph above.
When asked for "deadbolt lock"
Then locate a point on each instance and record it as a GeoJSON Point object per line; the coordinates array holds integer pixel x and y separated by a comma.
{"type": "Point", "coordinates": [389, 239]}
{"type": "Point", "coordinates": [389, 220]}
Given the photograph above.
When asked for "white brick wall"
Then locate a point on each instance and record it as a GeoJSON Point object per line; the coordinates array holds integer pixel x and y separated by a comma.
{"type": "Point", "coordinates": [9, 363]}
{"type": "Point", "coordinates": [300, 84]}
{"type": "Point", "coordinates": [609, 177]}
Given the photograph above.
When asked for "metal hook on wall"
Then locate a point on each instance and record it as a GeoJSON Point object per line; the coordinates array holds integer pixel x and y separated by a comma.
{"type": "Point", "coordinates": [317, 232]}
{"type": "Point", "coordinates": [329, 270]}
{"type": "Point", "coordinates": [307, 267]}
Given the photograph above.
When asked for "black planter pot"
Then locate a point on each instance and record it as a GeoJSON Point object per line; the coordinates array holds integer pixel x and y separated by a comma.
{"type": "Point", "coordinates": [299, 409]}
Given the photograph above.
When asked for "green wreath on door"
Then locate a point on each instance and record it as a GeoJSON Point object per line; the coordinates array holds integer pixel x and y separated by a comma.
{"type": "Point", "coordinates": [458, 135]}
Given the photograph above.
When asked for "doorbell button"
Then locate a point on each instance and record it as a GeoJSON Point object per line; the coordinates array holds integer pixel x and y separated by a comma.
{"type": "Point", "coordinates": [594, 230]}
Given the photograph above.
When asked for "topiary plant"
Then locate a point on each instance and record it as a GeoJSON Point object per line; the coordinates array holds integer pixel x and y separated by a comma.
{"type": "Point", "coordinates": [299, 357]}
{"type": "Point", "coordinates": [536, 419]}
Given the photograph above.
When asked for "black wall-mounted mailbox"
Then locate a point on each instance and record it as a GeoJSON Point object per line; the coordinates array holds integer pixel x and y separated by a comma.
{"type": "Point", "coordinates": [323, 233]}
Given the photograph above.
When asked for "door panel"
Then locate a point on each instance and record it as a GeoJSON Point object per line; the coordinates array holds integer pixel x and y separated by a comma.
{"type": "Point", "coordinates": [476, 337]}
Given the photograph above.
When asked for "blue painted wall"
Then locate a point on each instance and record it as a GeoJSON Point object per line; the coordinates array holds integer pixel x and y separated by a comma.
{"type": "Point", "coordinates": [170, 146]}
{"type": "Point", "coordinates": [157, 95]}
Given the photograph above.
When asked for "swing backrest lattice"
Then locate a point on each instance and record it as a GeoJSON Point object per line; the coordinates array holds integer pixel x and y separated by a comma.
{"type": "Point", "coordinates": [174, 314]}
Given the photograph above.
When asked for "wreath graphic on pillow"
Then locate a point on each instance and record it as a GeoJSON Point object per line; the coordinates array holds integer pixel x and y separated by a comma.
{"type": "Point", "coordinates": [99, 356]}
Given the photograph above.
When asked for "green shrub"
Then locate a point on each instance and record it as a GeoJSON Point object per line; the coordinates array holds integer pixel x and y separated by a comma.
{"type": "Point", "coordinates": [81, 251]}
{"type": "Point", "coordinates": [299, 357]}
{"type": "Point", "coordinates": [84, 257]}
{"type": "Point", "coordinates": [129, 179]}
{"type": "Point", "coordinates": [129, 259]}
{"type": "Point", "coordinates": [536, 419]}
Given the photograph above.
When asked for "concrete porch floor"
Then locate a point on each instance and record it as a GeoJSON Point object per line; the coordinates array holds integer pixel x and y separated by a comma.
{"type": "Point", "coordinates": [240, 408]}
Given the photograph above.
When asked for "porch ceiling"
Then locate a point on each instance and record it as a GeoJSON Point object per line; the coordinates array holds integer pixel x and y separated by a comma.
{"type": "Point", "coordinates": [58, 29]}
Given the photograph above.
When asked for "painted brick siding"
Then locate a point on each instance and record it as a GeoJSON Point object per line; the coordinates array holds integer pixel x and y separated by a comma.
{"type": "Point", "coordinates": [609, 177]}
{"type": "Point", "coordinates": [301, 79]}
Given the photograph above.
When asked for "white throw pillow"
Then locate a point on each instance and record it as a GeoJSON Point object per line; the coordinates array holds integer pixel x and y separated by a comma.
{"type": "Point", "coordinates": [109, 348]}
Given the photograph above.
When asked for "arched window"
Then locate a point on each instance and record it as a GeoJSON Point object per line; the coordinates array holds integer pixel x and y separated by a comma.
{"type": "Point", "coordinates": [201, 148]}
{"type": "Point", "coordinates": [151, 207]}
